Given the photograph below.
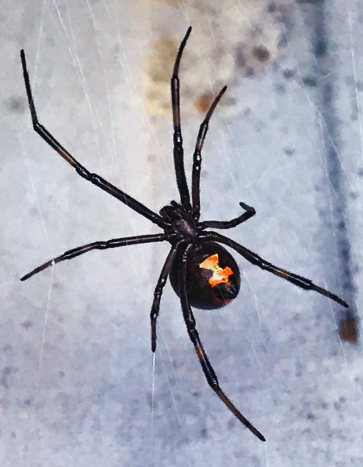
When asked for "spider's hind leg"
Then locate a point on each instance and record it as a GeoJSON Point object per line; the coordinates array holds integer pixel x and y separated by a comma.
{"type": "Point", "coordinates": [194, 337]}
{"type": "Point", "coordinates": [299, 281]}
{"type": "Point", "coordinates": [100, 245]}
{"type": "Point", "coordinates": [159, 290]}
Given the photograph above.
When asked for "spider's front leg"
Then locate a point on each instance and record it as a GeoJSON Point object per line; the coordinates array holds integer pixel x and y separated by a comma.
{"type": "Point", "coordinates": [82, 171]}
{"type": "Point", "coordinates": [197, 156]}
{"type": "Point", "coordinates": [249, 212]}
{"type": "Point", "coordinates": [194, 337]}
{"type": "Point", "coordinates": [177, 136]}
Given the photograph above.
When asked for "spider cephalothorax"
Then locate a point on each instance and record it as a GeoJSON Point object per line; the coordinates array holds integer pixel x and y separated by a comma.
{"type": "Point", "coordinates": [202, 272]}
{"type": "Point", "coordinates": [179, 223]}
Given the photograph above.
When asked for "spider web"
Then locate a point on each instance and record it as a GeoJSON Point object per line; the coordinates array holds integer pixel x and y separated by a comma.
{"type": "Point", "coordinates": [288, 141]}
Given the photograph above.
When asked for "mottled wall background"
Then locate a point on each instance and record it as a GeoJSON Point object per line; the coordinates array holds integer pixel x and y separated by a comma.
{"type": "Point", "coordinates": [77, 383]}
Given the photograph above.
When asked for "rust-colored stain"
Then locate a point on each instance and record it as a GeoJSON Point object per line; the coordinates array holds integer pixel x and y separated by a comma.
{"type": "Point", "coordinates": [204, 102]}
{"type": "Point", "coordinates": [348, 330]}
{"type": "Point", "coordinates": [220, 275]}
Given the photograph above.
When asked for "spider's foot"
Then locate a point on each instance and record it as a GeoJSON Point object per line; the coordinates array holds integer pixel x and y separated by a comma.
{"type": "Point", "coordinates": [153, 336]}
{"type": "Point", "coordinates": [38, 269]}
{"type": "Point", "coordinates": [246, 207]}
{"type": "Point", "coordinates": [238, 414]}
{"type": "Point", "coordinates": [329, 295]}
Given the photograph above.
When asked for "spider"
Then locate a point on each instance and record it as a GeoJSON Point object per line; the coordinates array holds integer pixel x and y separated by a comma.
{"type": "Point", "coordinates": [202, 273]}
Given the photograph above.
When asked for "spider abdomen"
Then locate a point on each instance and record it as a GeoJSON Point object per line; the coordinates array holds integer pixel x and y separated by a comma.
{"type": "Point", "coordinates": [212, 278]}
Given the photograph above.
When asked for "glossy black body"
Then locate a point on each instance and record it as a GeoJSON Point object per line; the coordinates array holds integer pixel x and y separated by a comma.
{"type": "Point", "coordinates": [191, 242]}
{"type": "Point", "coordinates": [199, 290]}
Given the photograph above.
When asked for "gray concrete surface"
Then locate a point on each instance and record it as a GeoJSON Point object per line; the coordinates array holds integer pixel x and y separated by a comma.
{"type": "Point", "coordinates": [76, 385]}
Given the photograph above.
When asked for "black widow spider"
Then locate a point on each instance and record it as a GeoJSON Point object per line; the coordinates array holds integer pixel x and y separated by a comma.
{"type": "Point", "coordinates": [202, 273]}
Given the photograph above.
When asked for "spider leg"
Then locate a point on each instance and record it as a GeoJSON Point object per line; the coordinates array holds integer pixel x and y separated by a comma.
{"type": "Point", "coordinates": [114, 243]}
{"type": "Point", "coordinates": [177, 137]}
{"type": "Point", "coordinates": [197, 156]}
{"type": "Point", "coordinates": [250, 212]}
{"type": "Point", "coordinates": [299, 281]}
{"type": "Point", "coordinates": [82, 171]}
{"type": "Point", "coordinates": [159, 290]}
{"type": "Point", "coordinates": [194, 337]}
